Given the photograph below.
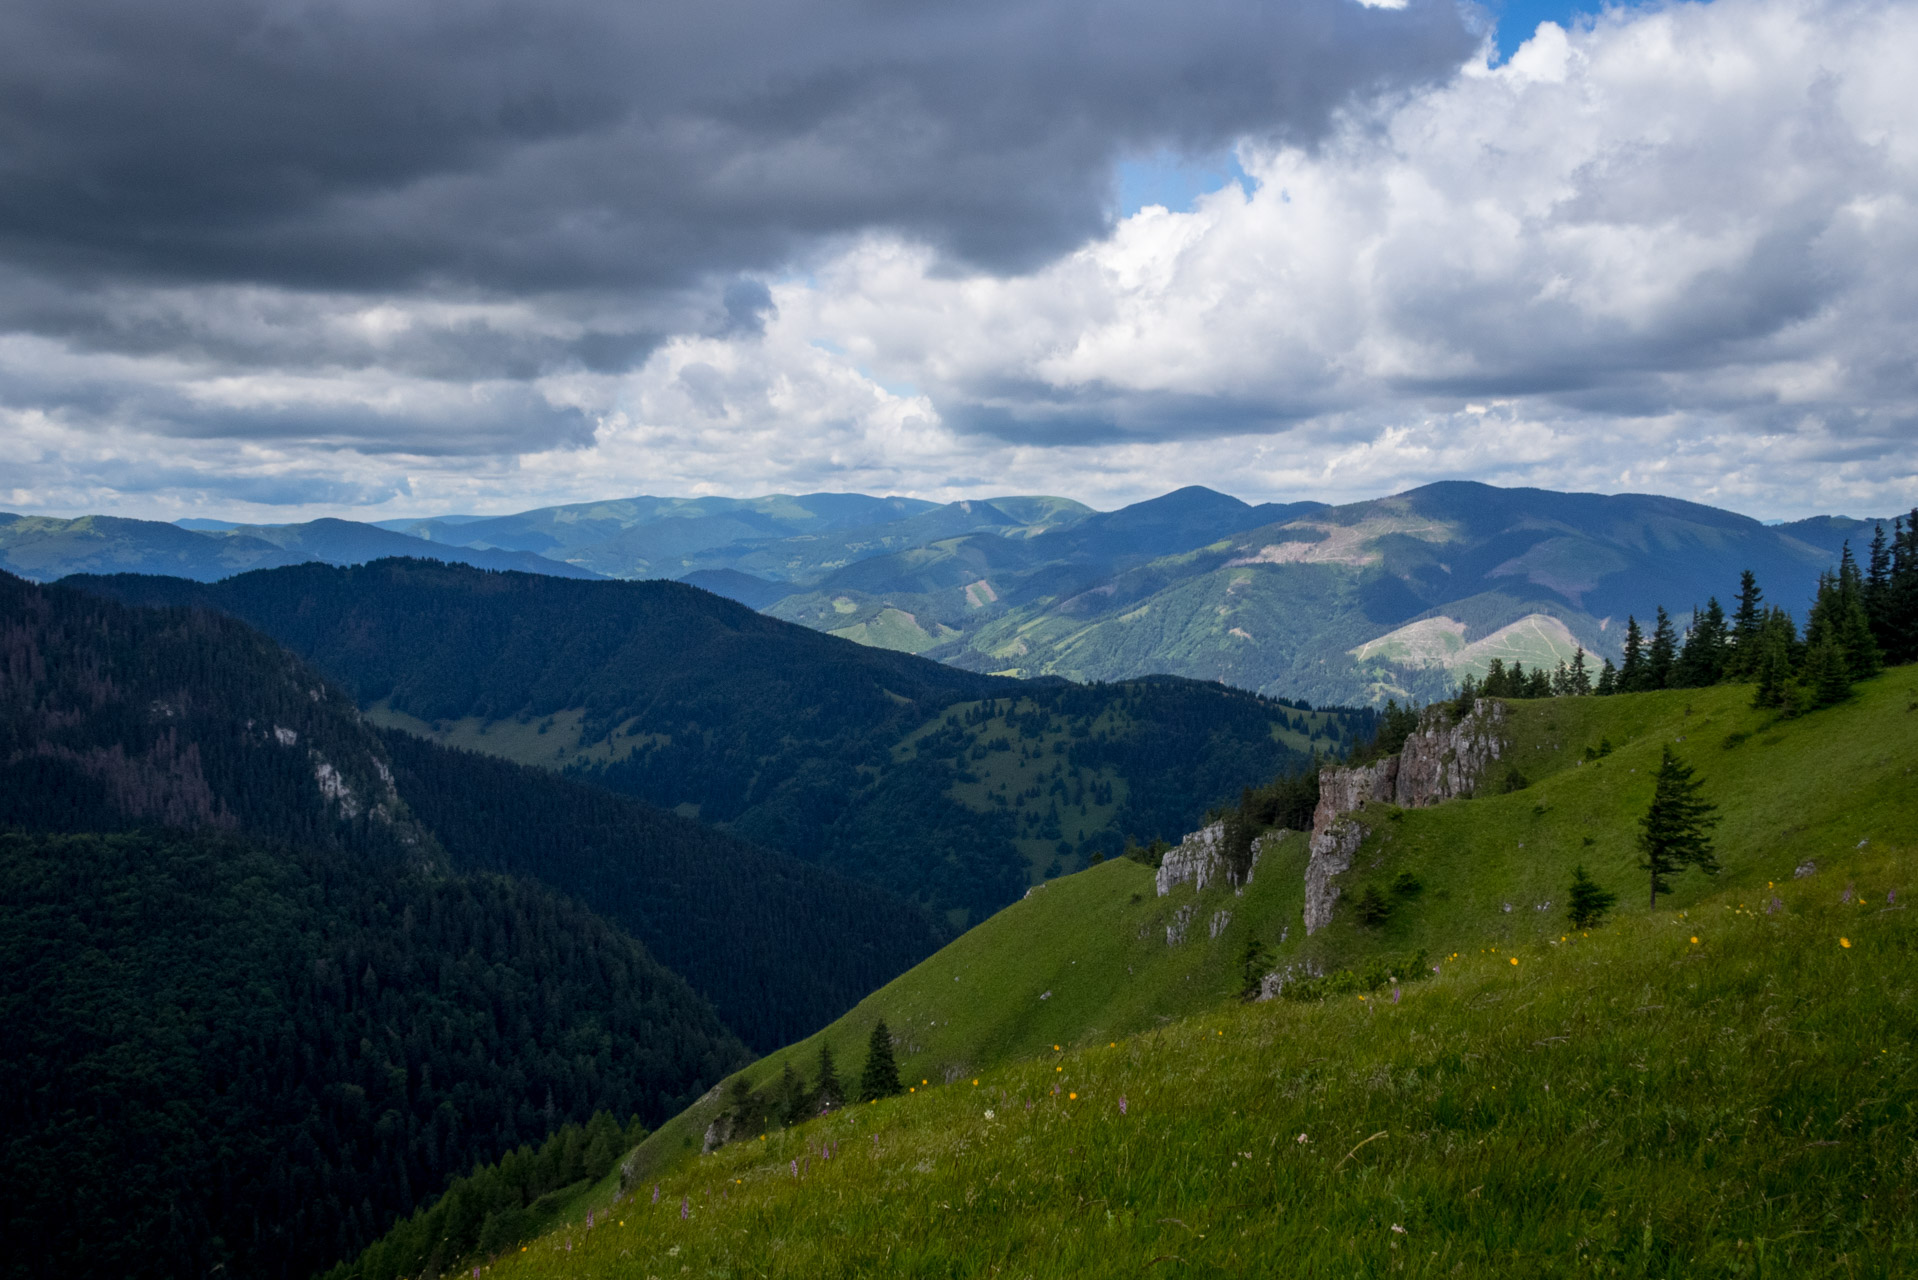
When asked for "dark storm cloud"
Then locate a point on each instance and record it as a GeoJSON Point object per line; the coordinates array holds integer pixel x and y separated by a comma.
{"type": "Point", "coordinates": [534, 145]}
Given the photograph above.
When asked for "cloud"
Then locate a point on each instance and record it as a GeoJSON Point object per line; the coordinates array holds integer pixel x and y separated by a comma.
{"type": "Point", "coordinates": [533, 145]}
{"type": "Point", "coordinates": [1667, 250]}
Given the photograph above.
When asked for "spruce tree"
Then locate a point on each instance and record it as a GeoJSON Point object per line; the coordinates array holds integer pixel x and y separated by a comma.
{"type": "Point", "coordinates": [795, 1104]}
{"type": "Point", "coordinates": [1495, 684]}
{"type": "Point", "coordinates": [1773, 666]}
{"type": "Point", "coordinates": [880, 1079]}
{"type": "Point", "coordinates": [1901, 609]}
{"type": "Point", "coordinates": [1674, 833]}
{"type": "Point", "coordinates": [1589, 902]}
{"type": "Point", "coordinates": [1607, 680]}
{"type": "Point", "coordinates": [1661, 656]}
{"type": "Point", "coordinates": [1702, 661]}
{"type": "Point", "coordinates": [1631, 676]}
{"type": "Point", "coordinates": [1878, 587]}
{"type": "Point", "coordinates": [1852, 622]}
{"type": "Point", "coordinates": [1581, 675]}
{"type": "Point", "coordinates": [1747, 620]}
{"type": "Point", "coordinates": [828, 1090]}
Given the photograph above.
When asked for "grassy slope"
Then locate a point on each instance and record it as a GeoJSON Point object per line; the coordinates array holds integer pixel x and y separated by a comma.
{"type": "Point", "coordinates": [1629, 1102]}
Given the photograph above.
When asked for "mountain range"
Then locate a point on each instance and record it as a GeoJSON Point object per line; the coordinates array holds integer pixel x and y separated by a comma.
{"type": "Point", "coordinates": [1394, 597]}
{"type": "Point", "coordinates": [952, 788]}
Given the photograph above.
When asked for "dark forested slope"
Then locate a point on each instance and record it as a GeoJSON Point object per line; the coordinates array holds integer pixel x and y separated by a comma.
{"type": "Point", "coordinates": [249, 1017]}
{"type": "Point", "coordinates": [219, 1053]}
{"type": "Point", "coordinates": [901, 772]}
{"type": "Point", "coordinates": [779, 946]}
{"type": "Point", "coordinates": [114, 716]}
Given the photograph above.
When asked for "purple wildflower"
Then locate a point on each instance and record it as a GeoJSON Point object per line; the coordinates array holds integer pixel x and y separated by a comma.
{"type": "Point", "coordinates": [1395, 995]}
{"type": "Point", "coordinates": [685, 1209]}
{"type": "Point", "coordinates": [589, 1219]}
{"type": "Point", "coordinates": [1122, 1104]}
{"type": "Point", "coordinates": [795, 1168]}
{"type": "Point", "coordinates": [655, 1193]}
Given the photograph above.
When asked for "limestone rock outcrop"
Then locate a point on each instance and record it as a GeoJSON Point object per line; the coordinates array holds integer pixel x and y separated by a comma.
{"type": "Point", "coordinates": [1333, 845]}
{"type": "Point", "coordinates": [1442, 760]}
{"type": "Point", "coordinates": [1200, 858]}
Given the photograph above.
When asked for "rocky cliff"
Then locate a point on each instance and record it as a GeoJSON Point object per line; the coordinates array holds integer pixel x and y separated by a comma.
{"type": "Point", "coordinates": [1442, 760]}
{"type": "Point", "coordinates": [1200, 858]}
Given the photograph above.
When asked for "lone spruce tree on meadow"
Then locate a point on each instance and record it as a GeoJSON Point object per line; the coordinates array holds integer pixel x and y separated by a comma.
{"type": "Point", "coordinates": [1674, 833]}
{"type": "Point", "coordinates": [1589, 902]}
{"type": "Point", "coordinates": [880, 1079]}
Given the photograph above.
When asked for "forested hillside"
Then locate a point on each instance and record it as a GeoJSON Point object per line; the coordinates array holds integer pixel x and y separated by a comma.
{"type": "Point", "coordinates": [225, 1056]}
{"type": "Point", "coordinates": [257, 1007]}
{"type": "Point", "coordinates": [779, 947]}
{"type": "Point", "coordinates": [916, 777]}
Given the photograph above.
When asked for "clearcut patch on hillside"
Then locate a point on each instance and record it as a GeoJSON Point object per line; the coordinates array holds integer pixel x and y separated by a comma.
{"type": "Point", "coordinates": [1537, 640]}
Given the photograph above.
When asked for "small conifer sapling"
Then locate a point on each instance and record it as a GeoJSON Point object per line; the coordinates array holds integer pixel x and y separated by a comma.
{"type": "Point", "coordinates": [1373, 907]}
{"type": "Point", "coordinates": [1254, 965]}
{"type": "Point", "coordinates": [1589, 901]}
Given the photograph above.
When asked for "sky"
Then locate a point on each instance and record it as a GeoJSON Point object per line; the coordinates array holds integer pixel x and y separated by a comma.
{"type": "Point", "coordinates": [275, 259]}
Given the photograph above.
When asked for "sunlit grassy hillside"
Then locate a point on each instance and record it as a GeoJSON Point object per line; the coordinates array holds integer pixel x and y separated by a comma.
{"type": "Point", "coordinates": [1632, 1102]}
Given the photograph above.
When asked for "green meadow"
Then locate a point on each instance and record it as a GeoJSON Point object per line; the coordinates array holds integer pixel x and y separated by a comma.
{"type": "Point", "coordinates": [1721, 1086]}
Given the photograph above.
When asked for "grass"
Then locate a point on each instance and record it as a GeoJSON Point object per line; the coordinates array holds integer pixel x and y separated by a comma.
{"type": "Point", "coordinates": [1633, 1102]}
{"type": "Point", "coordinates": [1630, 1104]}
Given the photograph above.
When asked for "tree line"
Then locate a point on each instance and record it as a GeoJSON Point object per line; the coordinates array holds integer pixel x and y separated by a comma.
{"type": "Point", "coordinates": [1860, 621]}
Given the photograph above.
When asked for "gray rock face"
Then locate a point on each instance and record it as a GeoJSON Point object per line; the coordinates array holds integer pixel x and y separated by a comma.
{"type": "Point", "coordinates": [1175, 931]}
{"type": "Point", "coordinates": [1200, 858]}
{"type": "Point", "coordinates": [1443, 761]}
{"type": "Point", "coordinates": [1333, 845]}
{"type": "Point", "coordinates": [718, 1134]}
{"type": "Point", "coordinates": [1440, 761]}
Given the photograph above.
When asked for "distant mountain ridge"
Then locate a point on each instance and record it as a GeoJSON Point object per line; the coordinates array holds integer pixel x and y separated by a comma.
{"type": "Point", "coordinates": [46, 548]}
{"type": "Point", "coordinates": [1394, 597]}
